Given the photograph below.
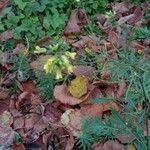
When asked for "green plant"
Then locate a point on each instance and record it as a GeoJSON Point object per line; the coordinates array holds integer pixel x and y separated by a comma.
{"type": "Point", "coordinates": [141, 33]}
{"type": "Point", "coordinates": [35, 19]}
{"type": "Point", "coordinates": [135, 70]}
{"type": "Point", "coordinates": [21, 67]}
{"type": "Point", "coordinates": [60, 58]}
{"type": "Point", "coordinates": [93, 7]}
{"type": "Point", "coordinates": [96, 129]}
{"type": "Point", "coordinates": [45, 84]}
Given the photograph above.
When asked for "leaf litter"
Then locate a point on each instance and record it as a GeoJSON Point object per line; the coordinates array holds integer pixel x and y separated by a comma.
{"type": "Point", "coordinates": [57, 123]}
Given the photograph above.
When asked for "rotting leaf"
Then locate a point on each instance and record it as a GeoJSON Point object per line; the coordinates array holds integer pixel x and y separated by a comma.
{"type": "Point", "coordinates": [78, 86]}
{"type": "Point", "coordinates": [131, 147]}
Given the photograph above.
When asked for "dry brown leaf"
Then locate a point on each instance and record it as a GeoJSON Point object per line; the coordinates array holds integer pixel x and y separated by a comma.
{"type": "Point", "coordinates": [42, 41]}
{"type": "Point", "coordinates": [4, 94]}
{"type": "Point", "coordinates": [31, 120]}
{"type": "Point", "coordinates": [87, 71]}
{"type": "Point", "coordinates": [101, 19]}
{"type": "Point", "coordinates": [77, 19]}
{"type": "Point", "coordinates": [125, 138]}
{"type": "Point", "coordinates": [3, 4]}
{"type": "Point", "coordinates": [18, 147]}
{"type": "Point", "coordinates": [4, 58]}
{"type": "Point", "coordinates": [39, 63]}
{"type": "Point", "coordinates": [125, 19]}
{"type": "Point", "coordinates": [5, 36]}
{"type": "Point", "coordinates": [19, 47]}
{"type": "Point", "coordinates": [29, 87]}
{"type": "Point", "coordinates": [6, 136]}
{"type": "Point", "coordinates": [84, 42]}
{"type": "Point", "coordinates": [61, 93]}
{"type": "Point", "coordinates": [120, 7]}
{"type": "Point", "coordinates": [114, 38]}
{"type": "Point", "coordinates": [18, 123]}
{"type": "Point", "coordinates": [138, 14]}
{"type": "Point", "coordinates": [51, 114]}
{"type": "Point", "coordinates": [109, 145]}
{"type": "Point", "coordinates": [71, 119]}
{"type": "Point", "coordinates": [121, 89]}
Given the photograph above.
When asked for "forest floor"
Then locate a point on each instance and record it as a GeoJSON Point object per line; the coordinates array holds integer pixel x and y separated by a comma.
{"type": "Point", "coordinates": [85, 87]}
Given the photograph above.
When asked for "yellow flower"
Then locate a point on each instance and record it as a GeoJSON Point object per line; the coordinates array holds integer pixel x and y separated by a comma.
{"type": "Point", "coordinates": [71, 54]}
{"type": "Point", "coordinates": [48, 65]}
{"type": "Point", "coordinates": [65, 59]}
{"type": "Point", "coordinates": [87, 50]}
{"type": "Point", "coordinates": [70, 68]}
{"type": "Point", "coordinates": [39, 50]}
{"type": "Point", "coordinates": [54, 47]}
{"type": "Point", "coordinates": [58, 74]}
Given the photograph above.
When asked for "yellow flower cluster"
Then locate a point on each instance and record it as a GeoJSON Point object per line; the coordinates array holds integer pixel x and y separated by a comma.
{"type": "Point", "coordinates": [58, 63]}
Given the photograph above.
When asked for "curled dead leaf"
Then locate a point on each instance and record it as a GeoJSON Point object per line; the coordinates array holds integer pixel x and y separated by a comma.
{"type": "Point", "coordinates": [138, 14]}
{"type": "Point", "coordinates": [61, 93]}
{"type": "Point", "coordinates": [77, 19]}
